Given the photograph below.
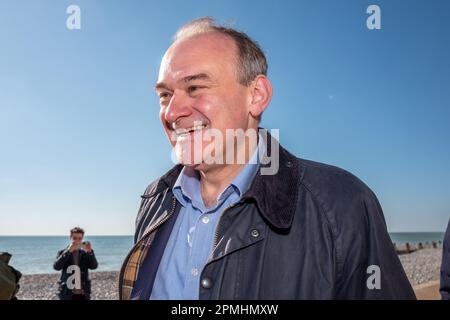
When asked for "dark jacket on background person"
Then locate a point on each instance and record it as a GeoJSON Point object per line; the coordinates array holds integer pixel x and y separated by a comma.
{"type": "Point", "coordinates": [64, 259]}
{"type": "Point", "coordinates": [311, 231]}
{"type": "Point", "coordinates": [9, 278]}
{"type": "Point", "coordinates": [445, 267]}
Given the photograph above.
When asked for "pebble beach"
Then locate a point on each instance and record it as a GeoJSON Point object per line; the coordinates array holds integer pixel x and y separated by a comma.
{"type": "Point", "coordinates": [421, 266]}
{"type": "Point", "coordinates": [44, 286]}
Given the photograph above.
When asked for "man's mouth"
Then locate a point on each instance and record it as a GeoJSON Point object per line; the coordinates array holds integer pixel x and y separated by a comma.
{"type": "Point", "coordinates": [183, 132]}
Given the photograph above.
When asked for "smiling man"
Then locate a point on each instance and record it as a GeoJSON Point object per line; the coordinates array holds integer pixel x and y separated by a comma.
{"type": "Point", "coordinates": [217, 225]}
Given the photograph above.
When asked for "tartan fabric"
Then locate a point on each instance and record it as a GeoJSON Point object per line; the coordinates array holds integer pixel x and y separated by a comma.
{"type": "Point", "coordinates": [133, 263]}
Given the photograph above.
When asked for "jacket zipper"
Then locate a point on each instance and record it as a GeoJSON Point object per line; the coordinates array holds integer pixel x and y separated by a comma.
{"type": "Point", "coordinates": [216, 232]}
{"type": "Point", "coordinates": [174, 201]}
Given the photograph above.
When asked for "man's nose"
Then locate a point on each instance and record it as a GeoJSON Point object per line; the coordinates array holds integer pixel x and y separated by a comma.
{"type": "Point", "coordinates": [179, 106]}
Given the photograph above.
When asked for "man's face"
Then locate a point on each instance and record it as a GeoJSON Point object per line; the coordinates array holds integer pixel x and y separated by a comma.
{"type": "Point", "coordinates": [198, 84]}
{"type": "Point", "coordinates": [76, 238]}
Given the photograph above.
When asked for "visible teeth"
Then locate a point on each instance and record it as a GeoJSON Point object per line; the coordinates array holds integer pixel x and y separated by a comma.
{"type": "Point", "coordinates": [182, 131]}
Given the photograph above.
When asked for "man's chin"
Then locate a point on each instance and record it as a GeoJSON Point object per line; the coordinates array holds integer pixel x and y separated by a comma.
{"type": "Point", "coordinates": [203, 166]}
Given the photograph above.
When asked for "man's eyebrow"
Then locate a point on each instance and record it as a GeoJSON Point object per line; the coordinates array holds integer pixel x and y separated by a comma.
{"type": "Point", "coordinates": [161, 86]}
{"type": "Point", "coordinates": [198, 76]}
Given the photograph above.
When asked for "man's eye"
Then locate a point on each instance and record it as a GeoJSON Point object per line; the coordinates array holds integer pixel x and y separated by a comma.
{"type": "Point", "coordinates": [164, 95]}
{"type": "Point", "coordinates": [193, 89]}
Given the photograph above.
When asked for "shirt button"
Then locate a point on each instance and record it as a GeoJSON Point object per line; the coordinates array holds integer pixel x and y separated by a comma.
{"type": "Point", "coordinates": [194, 272]}
{"type": "Point", "coordinates": [206, 283]}
{"type": "Point", "coordinates": [205, 219]}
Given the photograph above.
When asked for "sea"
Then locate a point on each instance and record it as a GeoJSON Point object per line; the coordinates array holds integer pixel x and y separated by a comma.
{"type": "Point", "coordinates": [35, 254]}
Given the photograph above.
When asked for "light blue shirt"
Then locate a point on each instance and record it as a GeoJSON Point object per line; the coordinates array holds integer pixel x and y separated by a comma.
{"type": "Point", "coordinates": [191, 240]}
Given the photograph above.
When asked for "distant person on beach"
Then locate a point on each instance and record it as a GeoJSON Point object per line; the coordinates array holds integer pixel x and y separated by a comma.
{"type": "Point", "coordinates": [445, 266]}
{"type": "Point", "coordinates": [9, 278]}
{"type": "Point", "coordinates": [239, 216]}
{"type": "Point", "coordinates": [75, 262]}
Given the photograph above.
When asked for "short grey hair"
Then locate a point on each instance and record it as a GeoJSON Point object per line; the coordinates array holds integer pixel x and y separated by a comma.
{"type": "Point", "coordinates": [251, 60]}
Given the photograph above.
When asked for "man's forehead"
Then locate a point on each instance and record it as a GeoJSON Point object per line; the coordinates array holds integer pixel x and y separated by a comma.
{"type": "Point", "coordinates": [180, 73]}
{"type": "Point", "coordinates": [192, 56]}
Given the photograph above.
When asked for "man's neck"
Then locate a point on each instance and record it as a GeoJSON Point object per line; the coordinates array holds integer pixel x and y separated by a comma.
{"type": "Point", "coordinates": [215, 179]}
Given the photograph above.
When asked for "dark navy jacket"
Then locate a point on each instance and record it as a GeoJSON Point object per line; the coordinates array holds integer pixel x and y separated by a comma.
{"type": "Point", "coordinates": [311, 231]}
{"type": "Point", "coordinates": [445, 268]}
{"type": "Point", "coordinates": [63, 261]}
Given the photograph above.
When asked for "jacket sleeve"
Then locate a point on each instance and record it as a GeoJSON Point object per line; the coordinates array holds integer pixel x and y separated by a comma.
{"type": "Point", "coordinates": [368, 266]}
{"type": "Point", "coordinates": [62, 259]}
{"type": "Point", "coordinates": [91, 260]}
{"type": "Point", "coordinates": [445, 267]}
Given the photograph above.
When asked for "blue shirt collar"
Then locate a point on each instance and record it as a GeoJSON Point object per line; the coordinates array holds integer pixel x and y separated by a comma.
{"type": "Point", "coordinates": [187, 186]}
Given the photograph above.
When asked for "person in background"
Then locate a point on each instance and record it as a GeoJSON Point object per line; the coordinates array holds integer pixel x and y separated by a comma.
{"type": "Point", "coordinates": [9, 278]}
{"type": "Point", "coordinates": [445, 267]}
{"type": "Point", "coordinates": [77, 254]}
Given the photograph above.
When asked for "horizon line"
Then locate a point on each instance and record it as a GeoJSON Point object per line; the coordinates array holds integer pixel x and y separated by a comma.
{"type": "Point", "coordinates": [132, 235]}
{"type": "Point", "coordinates": [64, 235]}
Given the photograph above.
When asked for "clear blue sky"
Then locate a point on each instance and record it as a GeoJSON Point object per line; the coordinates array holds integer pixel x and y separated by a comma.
{"type": "Point", "coordinates": [79, 131]}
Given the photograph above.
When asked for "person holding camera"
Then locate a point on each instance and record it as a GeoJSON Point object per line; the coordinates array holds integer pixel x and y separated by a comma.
{"type": "Point", "coordinates": [74, 263]}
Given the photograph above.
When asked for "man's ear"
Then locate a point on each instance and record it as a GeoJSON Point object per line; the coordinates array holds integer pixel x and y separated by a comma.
{"type": "Point", "coordinates": [261, 93]}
